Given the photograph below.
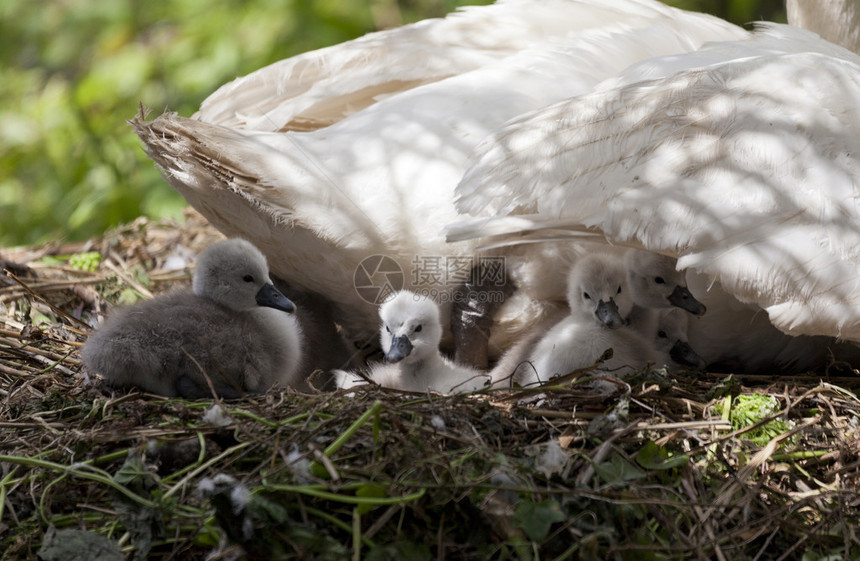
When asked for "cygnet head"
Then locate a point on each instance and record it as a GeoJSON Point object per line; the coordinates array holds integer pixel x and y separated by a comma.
{"type": "Point", "coordinates": [597, 286]}
{"type": "Point", "coordinates": [234, 273]}
{"type": "Point", "coordinates": [656, 283]}
{"type": "Point", "coordinates": [411, 329]}
{"type": "Point", "coordinates": [671, 338]}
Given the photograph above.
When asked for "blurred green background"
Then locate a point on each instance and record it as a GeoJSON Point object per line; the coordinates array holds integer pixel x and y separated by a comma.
{"type": "Point", "coordinates": [73, 71]}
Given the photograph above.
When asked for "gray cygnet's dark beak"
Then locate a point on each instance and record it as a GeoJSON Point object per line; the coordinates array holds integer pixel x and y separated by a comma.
{"type": "Point", "coordinates": [683, 353]}
{"type": "Point", "coordinates": [682, 298]}
{"type": "Point", "coordinates": [607, 313]}
{"type": "Point", "coordinates": [400, 349]}
{"type": "Point", "coordinates": [271, 297]}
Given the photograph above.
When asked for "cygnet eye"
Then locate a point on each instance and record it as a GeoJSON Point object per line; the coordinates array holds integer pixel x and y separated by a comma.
{"type": "Point", "coordinates": [659, 280]}
{"type": "Point", "coordinates": [586, 296]}
{"type": "Point", "coordinates": [248, 278]}
{"type": "Point", "coordinates": [417, 328]}
{"type": "Point", "coordinates": [619, 290]}
{"type": "Point", "coordinates": [662, 334]}
{"type": "Point", "coordinates": [388, 330]}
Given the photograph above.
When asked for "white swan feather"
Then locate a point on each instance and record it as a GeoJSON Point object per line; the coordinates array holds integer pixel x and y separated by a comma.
{"type": "Point", "coordinates": [389, 138]}
{"type": "Point", "coordinates": [747, 169]}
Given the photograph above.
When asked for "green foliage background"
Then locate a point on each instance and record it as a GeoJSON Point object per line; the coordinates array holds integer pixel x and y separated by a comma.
{"type": "Point", "coordinates": [72, 72]}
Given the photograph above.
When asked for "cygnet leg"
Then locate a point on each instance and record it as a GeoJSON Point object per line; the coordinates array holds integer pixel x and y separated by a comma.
{"type": "Point", "coordinates": [475, 305]}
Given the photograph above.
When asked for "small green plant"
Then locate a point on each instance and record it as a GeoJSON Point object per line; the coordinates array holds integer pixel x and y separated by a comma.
{"type": "Point", "coordinates": [747, 410]}
{"type": "Point", "coordinates": [87, 261]}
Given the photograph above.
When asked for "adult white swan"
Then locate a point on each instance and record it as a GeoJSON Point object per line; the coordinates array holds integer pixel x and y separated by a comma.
{"type": "Point", "coordinates": [337, 155]}
{"type": "Point", "coordinates": [742, 159]}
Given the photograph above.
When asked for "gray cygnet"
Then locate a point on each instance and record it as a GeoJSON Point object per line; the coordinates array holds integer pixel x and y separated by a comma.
{"type": "Point", "coordinates": [234, 329]}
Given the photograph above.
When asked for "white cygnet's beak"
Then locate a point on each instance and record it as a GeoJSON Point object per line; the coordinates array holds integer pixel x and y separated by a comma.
{"type": "Point", "coordinates": [400, 349]}
{"type": "Point", "coordinates": [608, 314]}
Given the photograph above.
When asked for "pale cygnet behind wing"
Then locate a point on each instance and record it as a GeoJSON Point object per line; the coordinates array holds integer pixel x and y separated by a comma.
{"type": "Point", "coordinates": [597, 288]}
{"type": "Point", "coordinates": [657, 286]}
{"type": "Point", "coordinates": [600, 300]}
{"type": "Point", "coordinates": [514, 365]}
{"type": "Point", "coordinates": [661, 301]}
{"type": "Point", "coordinates": [656, 283]}
{"type": "Point", "coordinates": [410, 334]}
{"type": "Point", "coordinates": [670, 339]}
{"type": "Point", "coordinates": [234, 326]}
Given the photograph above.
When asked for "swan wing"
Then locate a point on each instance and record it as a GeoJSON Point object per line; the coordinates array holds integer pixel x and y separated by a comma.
{"type": "Point", "coordinates": [315, 89]}
{"type": "Point", "coordinates": [747, 169]}
{"type": "Point", "coordinates": [379, 179]}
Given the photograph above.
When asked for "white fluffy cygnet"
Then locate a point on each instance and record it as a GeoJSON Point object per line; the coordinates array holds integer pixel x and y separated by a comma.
{"type": "Point", "coordinates": [600, 301]}
{"type": "Point", "coordinates": [655, 282]}
{"type": "Point", "coordinates": [656, 285]}
{"type": "Point", "coordinates": [670, 339]}
{"type": "Point", "coordinates": [410, 335]}
{"type": "Point", "coordinates": [234, 328]}
{"type": "Point", "coordinates": [662, 307]}
{"type": "Point", "coordinates": [657, 319]}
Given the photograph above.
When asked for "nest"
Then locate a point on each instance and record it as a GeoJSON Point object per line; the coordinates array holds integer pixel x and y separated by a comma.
{"type": "Point", "coordinates": [670, 467]}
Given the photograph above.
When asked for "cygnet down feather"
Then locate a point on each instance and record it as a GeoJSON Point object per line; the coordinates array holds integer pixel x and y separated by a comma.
{"type": "Point", "coordinates": [410, 334]}
{"type": "Point", "coordinates": [655, 282]}
{"type": "Point", "coordinates": [234, 330]}
{"type": "Point", "coordinates": [600, 301]}
{"type": "Point", "coordinates": [657, 318]}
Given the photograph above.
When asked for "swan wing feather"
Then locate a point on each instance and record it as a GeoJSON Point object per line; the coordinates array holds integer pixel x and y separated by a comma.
{"type": "Point", "coordinates": [747, 169]}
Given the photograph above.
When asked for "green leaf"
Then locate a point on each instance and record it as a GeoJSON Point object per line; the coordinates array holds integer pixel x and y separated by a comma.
{"type": "Point", "coordinates": [74, 544]}
{"type": "Point", "coordinates": [135, 475]}
{"type": "Point", "coordinates": [536, 519]}
{"type": "Point", "coordinates": [727, 386]}
{"type": "Point", "coordinates": [128, 297]}
{"type": "Point", "coordinates": [371, 491]}
{"type": "Point", "coordinates": [656, 457]}
{"type": "Point", "coordinates": [264, 509]}
{"type": "Point", "coordinates": [144, 523]}
{"type": "Point", "coordinates": [748, 409]}
{"type": "Point", "coordinates": [618, 470]}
